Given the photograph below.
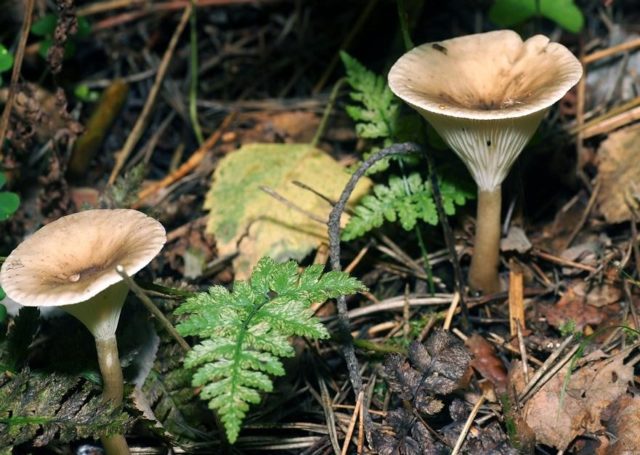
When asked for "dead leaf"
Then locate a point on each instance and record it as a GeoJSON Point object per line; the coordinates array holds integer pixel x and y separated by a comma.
{"type": "Point", "coordinates": [570, 307]}
{"type": "Point", "coordinates": [410, 437]}
{"type": "Point", "coordinates": [245, 218]}
{"type": "Point", "coordinates": [289, 127]}
{"type": "Point", "coordinates": [486, 439]}
{"type": "Point", "coordinates": [516, 240]}
{"type": "Point", "coordinates": [598, 295]}
{"type": "Point", "coordinates": [437, 367]}
{"type": "Point", "coordinates": [584, 305]}
{"type": "Point", "coordinates": [557, 414]}
{"type": "Point", "coordinates": [623, 425]}
{"type": "Point", "coordinates": [619, 173]}
{"type": "Point", "coordinates": [486, 362]}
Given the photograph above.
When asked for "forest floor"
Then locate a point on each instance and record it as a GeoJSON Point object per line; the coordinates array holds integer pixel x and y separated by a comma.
{"type": "Point", "coordinates": [237, 125]}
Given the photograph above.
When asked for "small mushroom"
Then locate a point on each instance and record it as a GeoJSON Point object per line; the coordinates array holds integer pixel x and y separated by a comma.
{"type": "Point", "coordinates": [485, 94]}
{"type": "Point", "coordinates": [71, 263]}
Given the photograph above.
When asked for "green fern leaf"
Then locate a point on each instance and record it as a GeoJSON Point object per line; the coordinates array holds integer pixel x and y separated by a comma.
{"type": "Point", "coordinates": [377, 109]}
{"type": "Point", "coordinates": [407, 200]}
{"type": "Point", "coordinates": [246, 332]}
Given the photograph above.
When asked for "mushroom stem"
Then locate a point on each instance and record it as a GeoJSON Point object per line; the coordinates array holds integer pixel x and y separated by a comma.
{"type": "Point", "coordinates": [483, 274]}
{"type": "Point", "coordinates": [101, 318]}
{"type": "Point", "coordinates": [109, 363]}
{"type": "Point", "coordinates": [115, 445]}
{"type": "Point", "coordinates": [112, 390]}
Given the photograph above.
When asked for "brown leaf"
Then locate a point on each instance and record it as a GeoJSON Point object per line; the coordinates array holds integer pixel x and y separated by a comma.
{"type": "Point", "coordinates": [486, 362]}
{"type": "Point", "coordinates": [618, 173]}
{"type": "Point", "coordinates": [557, 414]}
{"type": "Point", "coordinates": [598, 295]}
{"type": "Point", "coordinates": [623, 424]}
{"type": "Point", "coordinates": [443, 359]}
{"type": "Point", "coordinates": [435, 368]}
{"type": "Point", "coordinates": [410, 436]}
{"type": "Point", "coordinates": [489, 439]}
{"type": "Point", "coordinates": [402, 379]}
{"type": "Point", "coordinates": [571, 307]}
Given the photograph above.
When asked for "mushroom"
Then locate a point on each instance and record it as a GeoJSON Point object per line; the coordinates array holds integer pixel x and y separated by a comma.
{"type": "Point", "coordinates": [71, 263]}
{"type": "Point", "coordinates": [485, 94]}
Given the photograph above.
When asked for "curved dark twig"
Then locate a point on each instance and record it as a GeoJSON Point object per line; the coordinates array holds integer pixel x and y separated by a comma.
{"type": "Point", "coordinates": [334, 254]}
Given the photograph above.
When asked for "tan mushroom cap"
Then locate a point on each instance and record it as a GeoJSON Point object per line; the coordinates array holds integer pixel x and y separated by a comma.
{"type": "Point", "coordinates": [486, 76]}
{"type": "Point", "coordinates": [485, 94]}
{"type": "Point", "coordinates": [74, 258]}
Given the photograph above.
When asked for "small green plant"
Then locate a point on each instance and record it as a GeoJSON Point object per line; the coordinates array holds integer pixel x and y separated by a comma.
{"type": "Point", "coordinates": [46, 26]}
{"type": "Point", "coordinates": [378, 117]}
{"type": "Point", "coordinates": [376, 111]}
{"type": "Point", "coordinates": [565, 13]}
{"type": "Point", "coordinates": [9, 202]}
{"type": "Point", "coordinates": [405, 200]}
{"type": "Point", "coordinates": [84, 93]}
{"type": "Point", "coordinates": [245, 332]}
{"type": "Point", "coordinates": [6, 61]}
{"type": "Point", "coordinates": [568, 328]}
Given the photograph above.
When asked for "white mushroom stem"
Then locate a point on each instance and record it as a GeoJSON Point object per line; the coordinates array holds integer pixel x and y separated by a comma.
{"type": "Point", "coordinates": [485, 94]}
{"type": "Point", "coordinates": [483, 274]}
{"type": "Point", "coordinates": [100, 314]}
{"type": "Point", "coordinates": [109, 363]}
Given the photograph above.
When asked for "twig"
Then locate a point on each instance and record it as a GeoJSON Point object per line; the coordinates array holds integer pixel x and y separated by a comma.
{"type": "Point", "coordinates": [523, 351]}
{"type": "Point", "coordinates": [193, 68]}
{"type": "Point", "coordinates": [324, 197]}
{"type": "Point", "coordinates": [448, 238]}
{"type": "Point", "coordinates": [593, 122]}
{"type": "Point", "coordinates": [622, 47]}
{"type": "Point", "coordinates": [327, 406]}
{"type": "Point", "coordinates": [451, 311]}
{"type": "Point", "coordinates": [361, 429]}
{"type": "Point", "coordinates": [467, 426]}
{"type": "Point", "coordinates": [516, 297]}
{"type": "Point", "coordinates": [150, 7]}
{"type": "Point", "coordinates": [15, 74]}
{"type": "Point", "coordinates": [327, 112]}
{"type": "Point", "coordinates": [334, 252]}
{"type": "Point", "coordinates": [291, 205]}
{"type": "Point", "coordinates": [190, 164]}
{"type": "Point", "coordinates": [546, 366]}
{"type": "Point", "coordinates": [580, 102]}
{"type": "Point", "coordinates": [583, 218]}
{"type": "Point", "coordinates": [561, 261]}
{"type": "Point", "coordinates": [141, 123]}
{"type": "Point", "coordinates": [138, 291]}
{"type": "Point", "coordinates": [355, 261]}
{"type": "Point", "coordinates": [611, 123]}
{"type": "Point", "coordinates": [352, 423]}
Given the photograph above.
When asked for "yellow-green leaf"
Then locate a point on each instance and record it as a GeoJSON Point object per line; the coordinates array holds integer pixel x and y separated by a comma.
{"type": "Point", "coordinates": [245, 218]}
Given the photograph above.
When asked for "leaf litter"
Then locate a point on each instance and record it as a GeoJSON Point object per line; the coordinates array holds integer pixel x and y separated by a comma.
{"type": "Point", "coordinates": [578, 283]}
{"type": "Point", "coordinates": [572, 403]}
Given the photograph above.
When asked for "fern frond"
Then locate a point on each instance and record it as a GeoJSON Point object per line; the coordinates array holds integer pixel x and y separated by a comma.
{"type": "Point", "coordinates": [376, 109]}
{"type": "Point", "coordinates": [407, 200]}
{"type": "Point", "coordinates": [246, 332]}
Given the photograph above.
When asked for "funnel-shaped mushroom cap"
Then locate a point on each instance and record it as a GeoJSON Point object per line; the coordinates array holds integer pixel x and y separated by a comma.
{"type": "Point", "coordinates": [74, 258]}
{"type": "Point", "coordinates": [485, 94]}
